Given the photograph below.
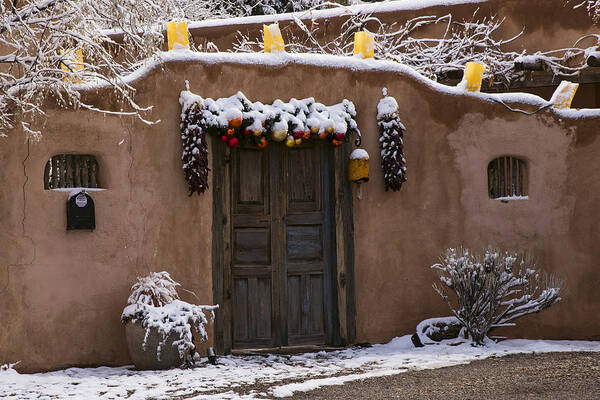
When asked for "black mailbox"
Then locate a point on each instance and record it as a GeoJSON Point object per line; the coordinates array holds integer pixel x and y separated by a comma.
{"type": "Point", "coordinates": [80, 212]}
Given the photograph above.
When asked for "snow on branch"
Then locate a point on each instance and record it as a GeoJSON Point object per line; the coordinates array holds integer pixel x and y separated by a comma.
{"type": "Point", "coordinates": [436, 57]}
{"type": "Point", "coordinates": [56, 48]}
{"type": "Point", "coordinates": [493, 289]}
{"type": "Point", "coordinates": [591, 6]}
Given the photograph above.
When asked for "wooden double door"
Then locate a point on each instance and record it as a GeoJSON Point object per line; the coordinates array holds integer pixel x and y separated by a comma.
{"type": "Point", "coordinates": [282, 246]}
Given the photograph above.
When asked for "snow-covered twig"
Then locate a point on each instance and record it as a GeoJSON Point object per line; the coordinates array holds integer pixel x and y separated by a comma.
{"type": "Point", "coordinates": [56, 48]}
{"type": "Point", "coordinates": [591, 6]}
{"type": "Point", "coordinates": [435, 57]}
{"type": "Point", "coordinates": [493, 289]}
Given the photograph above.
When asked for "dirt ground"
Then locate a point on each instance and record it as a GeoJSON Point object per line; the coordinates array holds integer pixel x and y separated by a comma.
{"type": "Point", "coordinates": [523, 376]}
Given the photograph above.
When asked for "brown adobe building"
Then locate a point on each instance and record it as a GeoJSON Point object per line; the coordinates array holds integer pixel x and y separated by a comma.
{"type": "Point", "coordinates": [62, 292]}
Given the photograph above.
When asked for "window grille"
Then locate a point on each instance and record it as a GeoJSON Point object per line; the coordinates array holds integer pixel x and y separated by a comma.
{"type": "Point", "coordinates": [71, 171]}
{"type": "Point", "coordinates": [507, 177]}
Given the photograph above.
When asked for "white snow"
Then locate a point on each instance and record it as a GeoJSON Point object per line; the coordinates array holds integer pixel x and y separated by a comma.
{"type": "Point", "coordinates": [341, 62]}
{"type": "Point", "coordinates": [380, 7]}
{"type": "Point", "coordinates": [177, 316]}
{"type": "Point", "coordinates": [187, 99]}
{"type": "Point", "coordinates": [386, 106]}
{"type": "Point", "coordinates": [77, 190]}
{"type": "Point", "coordinates": [309, 371]}
{"type": "Point", "coordinates": [359, 154]}
{"type": "Point", "coordinates": [507, 198]}
{"type": "Point", "coordinates": [298, 115]}
{"type": "Point", "coordinates": [529, 59]}
{"type": "Point", "coordinates": [428, 327]}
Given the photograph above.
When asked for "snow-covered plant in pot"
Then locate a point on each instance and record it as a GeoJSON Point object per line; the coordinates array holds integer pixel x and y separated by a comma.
{"type": "Point", "coordinates": [159, 326]}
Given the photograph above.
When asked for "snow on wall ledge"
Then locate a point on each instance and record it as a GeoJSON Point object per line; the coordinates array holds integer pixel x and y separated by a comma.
{"type": "Point", "coordinates": [369, 8]}
{"type": "Point", "coordinates": [352, 64]}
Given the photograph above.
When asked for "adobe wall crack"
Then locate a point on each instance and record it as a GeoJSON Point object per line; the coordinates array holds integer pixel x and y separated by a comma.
{"type": "Point", "coordinates": [23, 222]}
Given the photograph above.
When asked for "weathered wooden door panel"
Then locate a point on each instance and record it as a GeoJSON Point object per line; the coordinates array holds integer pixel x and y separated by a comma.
{"type": "Point", "coordinates": [307, 259]}
{"type": "Point", "coordinates": [252, 311]}
{"type": "Point", "coordinates": [283, 246]}
{"type": "Point", "coordinates": [252, 256]}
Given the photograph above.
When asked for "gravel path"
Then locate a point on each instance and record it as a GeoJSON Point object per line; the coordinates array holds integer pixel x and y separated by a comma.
{"type": "Point", "coordinates": [523, 376]}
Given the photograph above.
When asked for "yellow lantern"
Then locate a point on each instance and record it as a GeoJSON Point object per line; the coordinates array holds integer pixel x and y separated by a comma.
{"type": "Point", "coordinates": [177, 35]}
{"type": "Point", "coordinates": [473, 76]}
{"type": "Point", "coordinates": [358, 167]}
{"type": "Point", "coordinates": [563, 95]}
{"type": "Point", "coordinates": [364, 44]}
{"type": "Point", "coordinates": [273, 39]}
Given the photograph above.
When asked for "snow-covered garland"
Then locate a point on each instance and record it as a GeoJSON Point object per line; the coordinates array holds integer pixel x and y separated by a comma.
{"type": "Point", "coordinates": [391, 141]}
{"type": "Point", "coordinates": [238, 121]}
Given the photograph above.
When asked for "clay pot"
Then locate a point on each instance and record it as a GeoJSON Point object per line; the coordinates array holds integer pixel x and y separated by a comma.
{"type": "Point", "coordinates": [147, 359]}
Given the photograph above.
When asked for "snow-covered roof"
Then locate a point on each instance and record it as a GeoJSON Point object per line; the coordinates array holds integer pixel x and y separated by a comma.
{"type": "Point", "coordinates": [385, 6]}
{"type": "Point", "coordinates": [352, 64]}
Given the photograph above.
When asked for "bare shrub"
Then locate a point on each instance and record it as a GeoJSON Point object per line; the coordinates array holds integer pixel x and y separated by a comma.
{"type": "Point", "coordinates": [493, 289]}
{"type": "Point", "coordinates": [157, 289]}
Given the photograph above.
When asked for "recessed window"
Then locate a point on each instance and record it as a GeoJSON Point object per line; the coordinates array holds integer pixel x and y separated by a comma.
{"type": "Point", "coordinates": [71, 171]}
{"type": "Point", "coordinates": [507, 178]}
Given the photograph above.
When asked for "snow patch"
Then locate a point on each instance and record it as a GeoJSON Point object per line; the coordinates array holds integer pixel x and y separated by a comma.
{"type": "Point", "coordinates": [386, 106]}
{"type": "Point", "coordinates": [77, 190]}
{"type": "Point", "coordinates": [381, 7]}
{"type": "Point", "coordinates": [312, 369]}
{"type": "Point", "coordinates": [359, 154]}
{"type": "Point", "coordinates": [341, 62]}
{"type": "Point", "coordinates": [507, 198]}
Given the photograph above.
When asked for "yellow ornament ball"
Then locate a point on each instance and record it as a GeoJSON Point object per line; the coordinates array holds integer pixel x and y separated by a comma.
{"type": "Point", "coordinates": [279, 136]}
{"type": "Point", "coordinates": [290, 142]}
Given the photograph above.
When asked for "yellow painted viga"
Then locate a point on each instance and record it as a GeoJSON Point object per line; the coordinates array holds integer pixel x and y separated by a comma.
{"type": "Point", "coordinates": [364, 44]}
{"type": "Point", "coordinates": [72, 62]}
{"type": "Point", "coordinates": [273, 39]}
{"type": "Point", "coordinates": [473, 76]}
{"type": "Point", "coordinates": [563, 95]}
{"type": "Point", "coordinates": [177, 35]}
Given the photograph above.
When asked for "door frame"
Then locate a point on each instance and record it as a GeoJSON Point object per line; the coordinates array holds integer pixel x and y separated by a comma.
{"type": "Point", "coordinates": [344, 305]}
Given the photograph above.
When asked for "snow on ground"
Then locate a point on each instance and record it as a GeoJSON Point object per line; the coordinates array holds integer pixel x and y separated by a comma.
{"type": "Point", "coordinates": [276, 376]}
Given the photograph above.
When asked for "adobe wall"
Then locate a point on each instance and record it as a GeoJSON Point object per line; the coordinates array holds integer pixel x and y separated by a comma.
{"type": "Point", "coordinates": [546, 25]}
{"type": "Point", "coordinates": [62, 292]}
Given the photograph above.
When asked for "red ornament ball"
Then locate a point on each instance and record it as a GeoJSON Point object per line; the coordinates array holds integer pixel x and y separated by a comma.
{"type": "Point", "coordinates": [233, 142]}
